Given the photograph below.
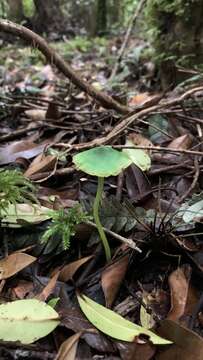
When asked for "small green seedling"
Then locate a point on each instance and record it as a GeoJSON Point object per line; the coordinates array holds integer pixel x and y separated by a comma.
{"type": "Point", "coordinates": [101, 162]}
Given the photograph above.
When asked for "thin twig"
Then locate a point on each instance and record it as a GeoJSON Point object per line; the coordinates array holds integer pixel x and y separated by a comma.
{"type": "Point", "coordinates": [132, 117]}
{"type": "Point", "coordinates": [194, 182]}
{"type": "Point", "coordinates": [128, 242]}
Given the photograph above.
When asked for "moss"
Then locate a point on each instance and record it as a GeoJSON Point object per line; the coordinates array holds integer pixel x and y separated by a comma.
{"type": "Point", "coordinates": [169, 20]}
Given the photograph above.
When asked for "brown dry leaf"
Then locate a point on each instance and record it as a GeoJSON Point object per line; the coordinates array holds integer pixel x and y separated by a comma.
{"type": "Point", "coordinates": [36, 114]}
{"type": "Point", "coordinates": [136, 351]}
{"type": "Point", "coordinates": [179, 285]}
{"type": "Point", "coordinates": [73, 319]}
{"type": "Point", "coordinates": [68, 348]}
{"type": "Point", "coordinates": [20, 149]}
{"type": "Point", "coordinates": [187, 344]}
{"type": "Point", "coordinates": [183, 142]}
{"type": "Point", "coordinates": [70, 269]}
{"type": "Point", "coordinates": [22, 289]}
{"type": "Point", "coordinates": [138, 139]}
{"type": "Point", "coordinates": [144, 99]}
{"type": "Point", "coordinates": [112, 278]}
{"type": "Point", "coordinates": [14, 263]}
{"type": "Point", "coordinates": [49, 288]}
{"type": "Point", "coordinates": [40, 164]}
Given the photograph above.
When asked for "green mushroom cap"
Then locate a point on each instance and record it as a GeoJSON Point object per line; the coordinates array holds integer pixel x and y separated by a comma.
{"type": "Point", "coordinates": [102, 161]}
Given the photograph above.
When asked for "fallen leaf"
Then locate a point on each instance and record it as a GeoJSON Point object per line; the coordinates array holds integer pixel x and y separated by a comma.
{"type": "Point", "coordinates": [14, 263]}
{"type": "Point", "coordinates": [36, 114]}
{"type": "Point", "coordinates": [40, 164]}
{"type": "Point", "coordinates": [73, 319]}
{"type": "Point", "coordinates": [146, 319]}
{"type": "Point", "coordinates": [20, 149]}
{"type": "Point", "coordinates": [112, 277]}
{"type": "Point", "coordinates": [68, 348]}
{"type": "Point", "coordinates": [33, 214]}
{"type": "Point", "coordinates": [136, 351]}
{"type": "Point", "coordinates": [26, 320]}
{"type": "Point", "coordinates": [144, 99]}
{"type": "Point", "coordinates": [49, 288]}
{"type": "Point", "coordinates": [182, 142]}
{"type": "Point", "coordinates": [179, 285]}
{"type": "Point", "coordinates": [187, 344]}
{"type": "Point", "coordinates": [69, 270]}
{"type": "Point", "coordinates": [139, 157]}
{"type": "Point", "coordinates": [193, 212]}
{"type": "Point", "coordinates": [113, 324]}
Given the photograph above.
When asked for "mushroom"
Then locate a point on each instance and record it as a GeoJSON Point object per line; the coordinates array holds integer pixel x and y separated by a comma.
{"type": "Point", "coordinates": [102, 162]}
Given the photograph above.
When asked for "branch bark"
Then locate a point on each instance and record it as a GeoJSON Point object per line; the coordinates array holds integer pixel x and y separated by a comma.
{"type": "Point", "coordinates": [55, 59]}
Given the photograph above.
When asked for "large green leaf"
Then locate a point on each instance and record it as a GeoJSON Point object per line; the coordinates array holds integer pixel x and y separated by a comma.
{"type": "Point", "coordinates": [26, 320]}
{"type": "Point", "coordinates": [113, 324]}
{"type": "Point", "coordinates": [102, 161]}
{"type": "Point", "coordinates": [29, 213]}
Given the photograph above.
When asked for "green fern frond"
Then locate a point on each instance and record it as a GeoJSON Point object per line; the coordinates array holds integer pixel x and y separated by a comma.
{"type": "Point", "coordinates": [63, 225]}
{"type": "Point", "coordinates": [14, 188]}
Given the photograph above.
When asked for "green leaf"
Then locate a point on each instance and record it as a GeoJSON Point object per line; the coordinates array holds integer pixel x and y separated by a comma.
{"type": "Point", "coordinates": [102, 161]}
{"type": "Point", "coordinates": [139, 157]}
{"type": "Point", "coordinates": [26, 320]}
{"type": "Point", "coordinates": [193, 211]}
{"type": "Point", "coordinates": [29, 213]}
{"type": "Point", "coordinates": [113, 324]}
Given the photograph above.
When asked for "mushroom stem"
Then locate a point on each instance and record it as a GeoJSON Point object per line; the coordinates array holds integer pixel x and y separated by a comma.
{"type": "Point", "coordinates": [96, 205]}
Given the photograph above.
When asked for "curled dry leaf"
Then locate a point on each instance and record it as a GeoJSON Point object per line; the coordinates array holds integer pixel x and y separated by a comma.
{"type": "Point", "coordinates": [20, 149]}
{"type": "Point", "coordinates": [49, 288]}
{"type": "Point", "coordinates": [14, 263]}
{"type": "Point", "coordinates": [40, 164]}
{"type": "Point", "coordinates": [68, 348]}
{"type": "Point", "coordinates": [187, 344]}
{"type": "Point", "coordinates": [69, 270]}
{"type": "Point", "coordinates": [179, 285]}
{"type": "Point", "coordinates": [112, 278]}
{"type": "Point", "coordinates": [182, 142]}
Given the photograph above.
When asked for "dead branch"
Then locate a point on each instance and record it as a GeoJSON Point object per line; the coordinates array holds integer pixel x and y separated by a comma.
{"type": "Point", "coordinates": [132, 117]}
{"type": "Point", "coordinates": [38, 42]}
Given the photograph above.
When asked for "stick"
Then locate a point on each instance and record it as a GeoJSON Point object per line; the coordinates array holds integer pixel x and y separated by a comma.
{"type": "Point", "coordinates": [132, 117]}
{"type": "Point", "coordinates": [54, 58]}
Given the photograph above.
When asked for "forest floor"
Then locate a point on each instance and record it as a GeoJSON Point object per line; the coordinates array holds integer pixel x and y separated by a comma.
{"type": "Point", "coordinates": [152, 218]}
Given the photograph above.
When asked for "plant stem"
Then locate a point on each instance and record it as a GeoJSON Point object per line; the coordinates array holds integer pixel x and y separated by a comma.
{"type": "Point", "coordinates": [96, 205]}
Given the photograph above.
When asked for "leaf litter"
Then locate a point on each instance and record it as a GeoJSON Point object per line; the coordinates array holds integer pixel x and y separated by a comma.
{"type": "Point", "coordinates": [156, 202]}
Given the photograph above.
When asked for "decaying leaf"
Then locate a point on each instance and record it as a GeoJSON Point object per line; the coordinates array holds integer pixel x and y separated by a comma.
{"type": "Point", "coordinates": [28, 213]}
{"type": "Point", "coordinates": [14, 263]}
{"type": "Point", "coordinates": [49, 288]}
{"type": "Point", "coordinates": [187, 344]}
{"type": "Point", "coordinates": [179, 285]}
{"type": "Point", "coordinates": [69, 270]}
{"type": "Point", "coordinates": [40, 164]}
{"type": "Point", "coordinates": [68, 348]}
{"type": "Point", "coordinates": [112, 278]}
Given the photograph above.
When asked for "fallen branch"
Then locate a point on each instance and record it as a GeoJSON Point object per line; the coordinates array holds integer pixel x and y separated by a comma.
{"type": "Point", "coordinates": [134, 116]}
{"type": "Point", "coordinates": [38, 42]}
